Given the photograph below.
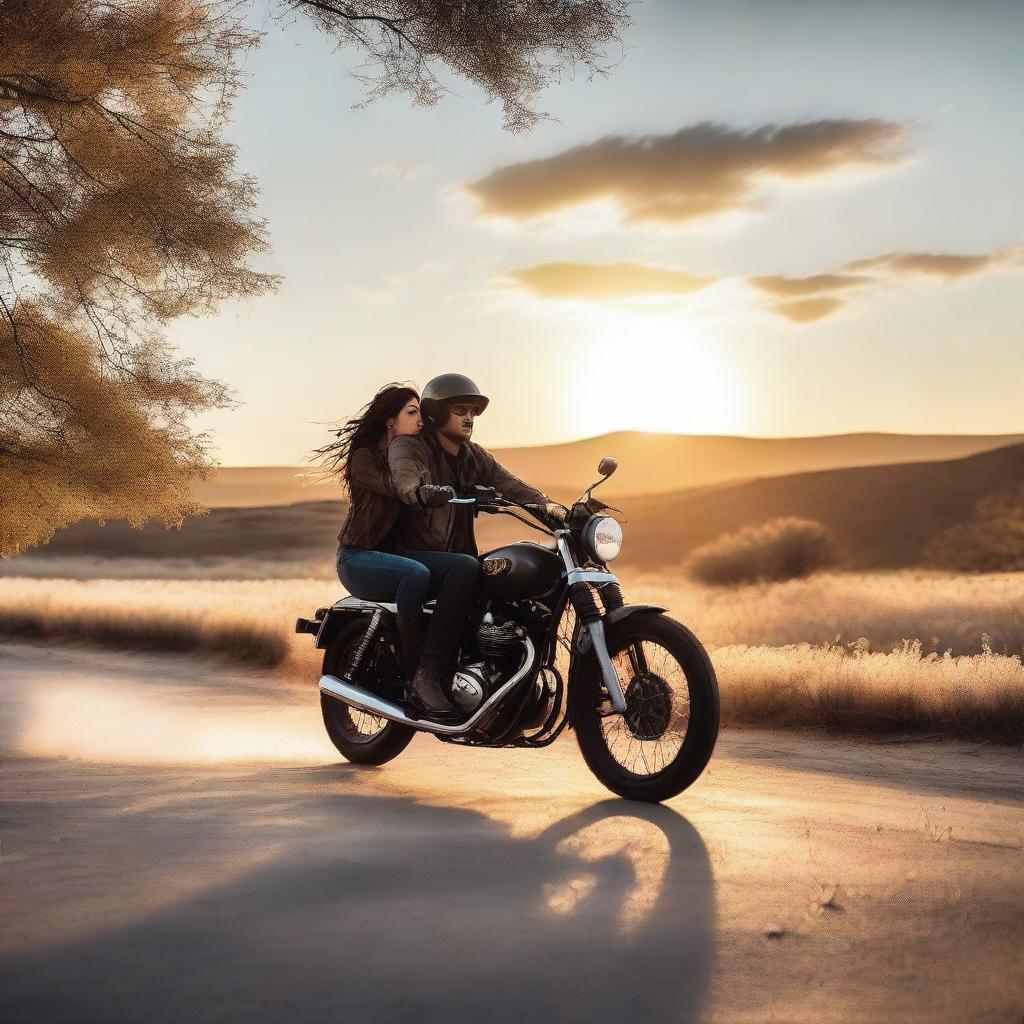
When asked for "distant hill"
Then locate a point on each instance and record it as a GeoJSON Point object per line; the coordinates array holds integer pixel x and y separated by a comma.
{"type": "Point", "coordinates": [882, 515]}
{"type": "Point", "coordinates": [648, 463]}
{"type": "Point", "coordinates": [306, 530]}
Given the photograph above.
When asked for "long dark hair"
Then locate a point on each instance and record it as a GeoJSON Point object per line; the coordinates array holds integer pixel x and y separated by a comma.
{"type": "Point", "coordinates": [363, 430]}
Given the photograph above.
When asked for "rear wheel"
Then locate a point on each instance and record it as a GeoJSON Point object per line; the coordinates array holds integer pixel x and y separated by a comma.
{"type": "Point", "coordinates": [360, 737]}
{"type": "Point", "coordinates": [665, 739]}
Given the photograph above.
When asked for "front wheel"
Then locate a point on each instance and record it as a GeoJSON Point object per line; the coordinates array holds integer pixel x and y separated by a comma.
{"type": "Point", "coordinates": [360, 737]}
{"type": "Point", "coordinates": [665, 739]}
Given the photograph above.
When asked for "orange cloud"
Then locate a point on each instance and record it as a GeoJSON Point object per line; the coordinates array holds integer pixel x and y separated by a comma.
{"type": "Point", "coordinates": [599, 281]}
{"type": "Point", "coordinates": [800, 300]}
{"type": "Point", "coordinates": [938, 264]}
{"type": "Point", "coordinates": [776, 284]}
{"type": "Point", "coordinates": [874, 274]}
{"type": "Point", "coordinates": [805, 311]}
{"type": "Point", "coordinates": [699, 171]}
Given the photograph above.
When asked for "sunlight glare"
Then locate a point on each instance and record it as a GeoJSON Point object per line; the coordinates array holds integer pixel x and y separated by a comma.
{"type": "Point", "coordinates": [655, 372]}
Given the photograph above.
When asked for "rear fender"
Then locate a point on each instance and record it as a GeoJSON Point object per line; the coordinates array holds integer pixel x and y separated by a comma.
{"type": "Point", "coordinates": [333, 622]}
{"type": "Point", "coordinates": [335, 618]}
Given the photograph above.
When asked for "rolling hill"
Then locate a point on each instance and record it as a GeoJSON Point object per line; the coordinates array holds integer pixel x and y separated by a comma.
{"type": "Point", "coordinates": [648, 463]}
{"type": "Point", "coordinates": [883, 516]}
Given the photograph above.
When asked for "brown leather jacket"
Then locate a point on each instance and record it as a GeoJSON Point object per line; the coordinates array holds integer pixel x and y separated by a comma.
{"type": "Point", "coordinates": [419, 459]}
{"type": "Point", "coordinates": [373, 507]}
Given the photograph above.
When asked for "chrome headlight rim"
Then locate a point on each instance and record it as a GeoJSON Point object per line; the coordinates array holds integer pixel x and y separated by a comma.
{"type": "Point", "coordinates": [602, 538]}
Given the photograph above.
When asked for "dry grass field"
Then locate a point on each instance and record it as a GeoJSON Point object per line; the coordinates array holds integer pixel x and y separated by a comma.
{"type": "Point", "coordinates": [904, 652]}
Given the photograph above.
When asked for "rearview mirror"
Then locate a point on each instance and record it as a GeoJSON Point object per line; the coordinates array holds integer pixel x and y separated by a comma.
{"type": "Point", "coordinates": [607, 466]}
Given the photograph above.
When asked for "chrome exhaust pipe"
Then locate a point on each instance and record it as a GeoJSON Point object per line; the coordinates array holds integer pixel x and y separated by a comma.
{"type": "Point", "coordinates": [364, 700]}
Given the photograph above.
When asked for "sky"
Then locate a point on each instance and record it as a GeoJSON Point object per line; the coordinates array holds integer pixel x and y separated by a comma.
{"type": "Point", "coordinates": [769, 218]}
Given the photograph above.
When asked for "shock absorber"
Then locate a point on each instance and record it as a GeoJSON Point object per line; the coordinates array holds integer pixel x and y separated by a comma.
{"type": "Point", "coordinates": [583, 603]}
{"type": "Point", "coordinates": [364, 646]}
{"type": "Point", "coordinates": [589, 615]}
{"type": "Point", "coordinates": [611, 597]}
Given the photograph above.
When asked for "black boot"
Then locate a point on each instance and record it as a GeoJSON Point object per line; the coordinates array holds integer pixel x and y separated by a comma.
{"type": "Point", "coordinates": [410, 636]}
{"type": "Point", "coordinates": [427, 698]}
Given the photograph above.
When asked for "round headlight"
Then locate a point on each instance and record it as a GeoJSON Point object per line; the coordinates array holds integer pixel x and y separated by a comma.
{"type": "Point", "coordinates": [602, 537]}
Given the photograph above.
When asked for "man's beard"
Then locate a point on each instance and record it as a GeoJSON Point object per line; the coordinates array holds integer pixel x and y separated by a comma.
{"type": "Point", "coordinates": [459, 434]}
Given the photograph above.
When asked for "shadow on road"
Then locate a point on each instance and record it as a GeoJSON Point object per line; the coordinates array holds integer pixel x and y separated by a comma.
{"type": "Point", "coordinates": [386, 909]}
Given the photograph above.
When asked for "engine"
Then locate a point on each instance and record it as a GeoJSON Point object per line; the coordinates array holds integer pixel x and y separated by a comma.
{"type": "Point", "coordinates": [482, 672]}
{"type": "Point", "coordinates": [496, 639]}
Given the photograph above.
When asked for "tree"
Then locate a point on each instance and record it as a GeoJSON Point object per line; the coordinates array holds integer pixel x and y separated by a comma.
{"type": "Point", "coordinates": [121, 209]}
{"type": "Point", "coordinates": [499, 45]}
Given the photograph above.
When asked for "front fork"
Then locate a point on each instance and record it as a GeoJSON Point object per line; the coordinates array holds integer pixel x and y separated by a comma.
{"type": "Point", "coordinates": [588, 613]}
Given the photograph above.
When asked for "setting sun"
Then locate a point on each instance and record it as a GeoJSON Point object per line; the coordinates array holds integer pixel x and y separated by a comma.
{"type": "Point", "coordinates": [663, 373]}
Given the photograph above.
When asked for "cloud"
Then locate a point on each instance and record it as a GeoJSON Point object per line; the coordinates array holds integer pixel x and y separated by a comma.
{"type": "Point", "coordinates": [874, 274]}
{"type": "Point", "coordinates": [946, 265]}
{"type": "Point", "coordinates": [601, 281]}
{"type": "Point", "coordinates": [800, 299]}
{"type": "Point", "coordinates": [700, 171]}
{"type": "Point", "coordinates": [805, 311]}
{"type": "Point", "coordinates": [776, 284]}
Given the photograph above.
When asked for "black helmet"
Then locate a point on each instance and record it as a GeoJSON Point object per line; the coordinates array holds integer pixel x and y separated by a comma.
{"type": "Point", "coordinates": [442, 391]}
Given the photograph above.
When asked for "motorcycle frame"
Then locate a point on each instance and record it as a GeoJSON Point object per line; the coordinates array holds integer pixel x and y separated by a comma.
{"type": "Point", "coordinates": [574, 588]}
{"type": "Point", "coordinates": [586, 635]}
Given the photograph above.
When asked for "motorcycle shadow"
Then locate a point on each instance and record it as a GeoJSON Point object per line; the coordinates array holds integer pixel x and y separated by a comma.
{"type": "Point", "coordinates": [393, 910]}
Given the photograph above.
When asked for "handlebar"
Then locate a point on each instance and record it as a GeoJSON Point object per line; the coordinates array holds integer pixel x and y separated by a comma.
{"type": "Point", "coordinates": [491, 501]}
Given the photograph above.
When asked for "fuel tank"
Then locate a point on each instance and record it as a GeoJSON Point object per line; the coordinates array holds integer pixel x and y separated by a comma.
{"type": "Point", "coordinates": [517, 571]}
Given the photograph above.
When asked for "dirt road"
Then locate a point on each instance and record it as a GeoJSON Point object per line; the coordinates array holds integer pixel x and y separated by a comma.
{"type": "Point", "coordinates": [179, 842]}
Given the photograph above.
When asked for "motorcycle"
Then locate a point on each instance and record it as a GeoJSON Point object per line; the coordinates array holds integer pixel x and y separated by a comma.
{"type": "Point", "coordinates": [539, 654]}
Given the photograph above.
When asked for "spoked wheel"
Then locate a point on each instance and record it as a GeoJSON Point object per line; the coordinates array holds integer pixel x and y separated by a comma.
{"type": "Point", "coordinates": [359, 736]}
{"type": "Point", "coordinates": [665, 739]}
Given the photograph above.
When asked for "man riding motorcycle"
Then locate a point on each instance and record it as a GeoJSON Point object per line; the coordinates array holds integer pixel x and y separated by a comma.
{"type": "Point", "coordinates": [427, 471]}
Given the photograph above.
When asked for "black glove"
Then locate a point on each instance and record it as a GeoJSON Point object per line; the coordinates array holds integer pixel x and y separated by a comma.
{"type": "Point", "coordinates": [482, 493]}
{"type": "Point", "coordinates": [435, 495]}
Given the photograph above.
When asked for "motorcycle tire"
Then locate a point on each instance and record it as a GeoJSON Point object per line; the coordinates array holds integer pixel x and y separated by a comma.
{"type": "Point", "coordinates": [346, 725]}
{"type": "Point", "coordinates": [652, 704]}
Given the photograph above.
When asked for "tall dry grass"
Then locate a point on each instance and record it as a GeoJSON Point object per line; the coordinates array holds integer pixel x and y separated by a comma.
{"type": "Point", "coordinates": [848, 689]}
{"type": "Point", "coordinates": [845, 652]}
{"type": "Point", "coordinates": [945, 611]}
{"type": "Point", "coordinates": [248, 621]}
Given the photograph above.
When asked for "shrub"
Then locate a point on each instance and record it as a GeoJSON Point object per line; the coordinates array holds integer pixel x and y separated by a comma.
{"type": "Point", "coordinates": [780, 549]}
{"type": "Point", "coordinates": [992, 540]}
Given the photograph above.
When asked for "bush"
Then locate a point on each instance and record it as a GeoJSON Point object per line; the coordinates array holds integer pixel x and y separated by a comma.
{"type": "Point", "coordinates": [780, 549]}
{"type": "Point", "coordinates": [992, 540]}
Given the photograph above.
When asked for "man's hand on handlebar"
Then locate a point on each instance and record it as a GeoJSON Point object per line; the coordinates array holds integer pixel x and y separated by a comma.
{"type": "Point", "coordinates": [555, 511]}
{"type": "Point", "coordinates": [435, 495]}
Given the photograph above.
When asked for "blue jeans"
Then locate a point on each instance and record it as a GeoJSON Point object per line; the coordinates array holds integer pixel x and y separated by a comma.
{"type": "Point", "coordinates": [410, 580]}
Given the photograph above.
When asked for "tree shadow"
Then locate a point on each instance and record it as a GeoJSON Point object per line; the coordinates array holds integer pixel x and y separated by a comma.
{"type": "Point", "coordinates": [392, 910]}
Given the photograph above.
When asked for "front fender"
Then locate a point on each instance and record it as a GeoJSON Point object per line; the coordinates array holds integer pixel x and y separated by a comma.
{"type": "Point", "coordinates": [618, 614]}
{"type": "Point", "coordinates": [614, 616]}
